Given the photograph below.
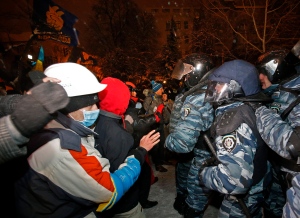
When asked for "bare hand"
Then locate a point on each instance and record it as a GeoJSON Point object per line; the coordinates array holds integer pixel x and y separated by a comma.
{"type": "Point", "coordinates": [149, 140]}
{"type": "Point", "coordinates": [46, 79]}
{"type": "Point", "coordinates": [51, 79]}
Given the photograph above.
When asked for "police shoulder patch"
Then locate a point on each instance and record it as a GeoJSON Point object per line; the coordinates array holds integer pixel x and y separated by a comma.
{"type": "Point", "coordinates": [229, 142]}
{"type": "Point", "coordinates": [275, 107]}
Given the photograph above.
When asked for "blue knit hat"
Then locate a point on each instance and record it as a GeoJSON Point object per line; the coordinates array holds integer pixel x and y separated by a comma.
{"type": "Point", "coordinates": [155, 86]}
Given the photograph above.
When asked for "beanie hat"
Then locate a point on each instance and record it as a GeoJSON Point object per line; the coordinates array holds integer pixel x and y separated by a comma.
{"type": "Point", "coordinates": [78, 102]}
{"type": "Point", "coordinates": [242, 72]}
{"type": "Point", "coordinates": [115, 98]}
{"type": "Point", "coordinates": [155, 86]}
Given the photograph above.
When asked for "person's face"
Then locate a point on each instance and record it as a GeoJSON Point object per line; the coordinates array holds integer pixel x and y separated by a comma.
{"type": "Point", "coordinates": [78, 115]}
{"type": "Point", "coordinates": [160, 91]}
{"type": "Point", "coordinates": [264, 81]}
{"type": "Point", "coordinates": [133, 93]}
{"type": "Point", "coordinates": [164, 97]}
{"type": "Point", "coordinates": [219, 87]}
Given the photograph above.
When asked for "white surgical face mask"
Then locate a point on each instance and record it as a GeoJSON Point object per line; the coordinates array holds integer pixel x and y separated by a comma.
{"type": "Point", "coordinates": [89, 117]}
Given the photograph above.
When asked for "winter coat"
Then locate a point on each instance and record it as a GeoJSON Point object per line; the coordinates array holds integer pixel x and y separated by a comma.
{"type": "Point", "coordinates": [68, 177]}
{"type": "Point", "coordinates": [114, 142]}
{"type": "Point", "coordinates": [151, 103]}
{"type": "Point", "coordinates": [243, 168]}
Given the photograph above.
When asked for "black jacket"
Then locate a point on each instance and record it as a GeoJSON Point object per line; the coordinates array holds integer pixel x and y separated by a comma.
{"type": "Point", "coordinates": [114, 143]}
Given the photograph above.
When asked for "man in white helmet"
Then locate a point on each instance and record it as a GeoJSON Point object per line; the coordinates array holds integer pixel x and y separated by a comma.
{"type": "Point", "coordinates": [67, 176]}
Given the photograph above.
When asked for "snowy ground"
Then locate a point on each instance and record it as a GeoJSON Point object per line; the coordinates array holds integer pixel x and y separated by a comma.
{"type": "Point", "coordinates": [164, 192]}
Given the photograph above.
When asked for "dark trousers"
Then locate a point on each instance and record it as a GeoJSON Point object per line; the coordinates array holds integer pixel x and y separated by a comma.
{"type": "Point", "coordinates": [144, 181]}
{"type": "Point", "coordinates": [157, 152]}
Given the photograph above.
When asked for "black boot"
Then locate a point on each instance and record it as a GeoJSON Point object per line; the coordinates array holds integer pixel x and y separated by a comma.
{"type": "Point", "coordinates": [149, 204]}
{"type": "Point", "coordinates": [192, 213]}
{"type": "Point", "coordinates": [160, 168]}
{"type": "Point", "coordinates": [180, 204]}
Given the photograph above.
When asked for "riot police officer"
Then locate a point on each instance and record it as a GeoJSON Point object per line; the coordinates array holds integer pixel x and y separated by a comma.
{"type": "Point", "coordinates": [279, 124]}
{"type": "Point", "coordinates": [242, 170]}
{"type": "Point", "coordinates": [190, 117]}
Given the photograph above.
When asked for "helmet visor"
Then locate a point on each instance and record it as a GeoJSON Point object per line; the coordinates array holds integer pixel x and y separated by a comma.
{"type": "Point", "coordinates": [217, 92]}
{"type": "Point", "coordinates": [181, 69]}
{"type": "Point", "coordinates": [269, 68]}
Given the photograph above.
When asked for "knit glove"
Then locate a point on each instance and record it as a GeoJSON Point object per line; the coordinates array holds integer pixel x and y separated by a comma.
{"type": "Point", "coordinates": [35, 110]}
{"type": "Point", "coordinates": [36, 76]}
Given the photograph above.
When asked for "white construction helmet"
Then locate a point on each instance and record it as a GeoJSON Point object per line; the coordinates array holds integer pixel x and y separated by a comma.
{"type": "Point", "coordinates": [76, 79]}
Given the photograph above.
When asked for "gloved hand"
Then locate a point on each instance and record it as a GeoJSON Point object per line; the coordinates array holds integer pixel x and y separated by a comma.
{"type": "Point", "coordinates": [212, 161]}
{"type": "Point", "coordinates": [35, 110]}
{"type": "Point", "coordinates": [36, 76]}
{"type": "Point", "coordinates": [158, 113]}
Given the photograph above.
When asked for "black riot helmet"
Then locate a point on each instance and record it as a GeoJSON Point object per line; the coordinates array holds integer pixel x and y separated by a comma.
{"type": "Point", "coordinates": [276, 65]}
{"type": "Point", "coordinates": [193, 68]}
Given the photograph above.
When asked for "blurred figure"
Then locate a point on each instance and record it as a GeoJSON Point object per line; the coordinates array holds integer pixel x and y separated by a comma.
{"type": "Point", "coordinates": [151, 104]}
{"type": "Point", "coordinates": [168, 103]}
{"type": "Point", "coordinates": [138, 125]}
{"type": "Point", "coordinates": [135, 101]}
{"type": "Point", "coordinates": [2, 88]}
{"type": "Point", "coordinates": [147, 92]}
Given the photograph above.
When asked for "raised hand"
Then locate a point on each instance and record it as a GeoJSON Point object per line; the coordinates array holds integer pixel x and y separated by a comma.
{"type": "Point", "coordinates": [148, 141]}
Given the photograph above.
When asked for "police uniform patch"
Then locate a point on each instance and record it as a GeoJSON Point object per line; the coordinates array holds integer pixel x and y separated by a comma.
{"type": "Point", "coordinates": [275, 107]}
{"type": "Point", "coordinates": [229, 142]}
{"type": "Point", "coordinates": [187, 111]}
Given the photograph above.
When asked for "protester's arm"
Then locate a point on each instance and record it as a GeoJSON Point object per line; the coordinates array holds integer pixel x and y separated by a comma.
{"type": "Point", "coordinates": [10, 141]}
{"type": "Point", "coordinates": [28, 114]}
{"type": "Point", "coordinates": [127, 174]}
{"type": "Point", "coordinates": [8, 104]}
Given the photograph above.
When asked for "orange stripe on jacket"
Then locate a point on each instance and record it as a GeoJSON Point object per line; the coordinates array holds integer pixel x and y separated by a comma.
{"type": "Point", "coordinates": [93, 168]}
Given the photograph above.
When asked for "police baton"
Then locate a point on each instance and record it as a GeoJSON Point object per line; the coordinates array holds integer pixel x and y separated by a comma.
{"type": "Point", "coordinates": [239, 199]}
{"type": "Point", "coordinates": [210, 145]}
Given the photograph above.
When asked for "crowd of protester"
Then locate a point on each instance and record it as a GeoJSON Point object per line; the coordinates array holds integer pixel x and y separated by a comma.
{"type": "Point", "coordinates": [84, 148]}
